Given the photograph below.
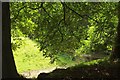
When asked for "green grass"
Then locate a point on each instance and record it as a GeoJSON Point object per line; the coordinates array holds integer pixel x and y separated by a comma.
{"type": "Point", "coordinates": [28, 57]}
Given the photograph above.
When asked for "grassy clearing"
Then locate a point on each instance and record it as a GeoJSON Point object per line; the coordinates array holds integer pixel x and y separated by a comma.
{"type": "Point", "coordinates": [28, 57]}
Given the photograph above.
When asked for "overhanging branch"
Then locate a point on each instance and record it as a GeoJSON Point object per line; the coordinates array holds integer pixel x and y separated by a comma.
{"type": "Point", "coordinates": [63, 4]}
{"type": "Point", "coordinates": [46, 12]}
{"type": "Point", "coordinates": [79, 14]}
{"type": "Point", "coordinates": [19, 12]}
{"type": "Point", "coordinates": [28, 7]}
{"type": "Point", "coordinates": [60, 30]}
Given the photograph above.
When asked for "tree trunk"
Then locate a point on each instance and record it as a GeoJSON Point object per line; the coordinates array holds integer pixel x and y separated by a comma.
{"type": "Point", "coordinates": [8, 64]}
{"type": "Point", "coordinates": [116, 51]}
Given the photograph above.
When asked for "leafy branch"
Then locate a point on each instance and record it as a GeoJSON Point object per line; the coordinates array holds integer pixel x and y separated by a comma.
{"type": "Point", "coordinates": [79, 14]}
{"type": "Point", "coordinates": [64, 11]}
{"type": "Point", "coordinates": [27, 7]}
{"type": "Point", "coordinates": [19, 12]}
{"type": "Point", "coordinates": [46, 12]}
{"type": "Point", "coordinates": [40, 6]}
{"type": "Point", "coordinates": [60, 30]}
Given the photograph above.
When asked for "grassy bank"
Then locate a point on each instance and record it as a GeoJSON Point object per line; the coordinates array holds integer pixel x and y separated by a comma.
{"type": "Point", "coordinates": [28, 57]}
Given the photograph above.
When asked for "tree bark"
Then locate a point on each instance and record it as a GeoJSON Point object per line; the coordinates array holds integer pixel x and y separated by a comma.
{"type": "Point", "coordinates": [116, 50]}
{"type": "Point", "coordinates": [8, 64]}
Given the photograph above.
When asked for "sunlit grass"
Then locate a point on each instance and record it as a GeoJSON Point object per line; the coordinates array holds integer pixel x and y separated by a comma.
{"type": "Point", "coordinates": [28, 57]}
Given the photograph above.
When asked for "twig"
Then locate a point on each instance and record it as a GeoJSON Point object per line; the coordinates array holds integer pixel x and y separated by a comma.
{"type": "Point", "coordinates": [19, 11]}
{"type": "Point", "coordinates": [46, 12]}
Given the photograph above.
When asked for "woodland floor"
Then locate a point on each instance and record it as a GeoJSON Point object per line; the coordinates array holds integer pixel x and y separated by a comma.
{"type": "Point", "coordinates": [35, 73]}
{"type": "Point", "coordinates": [102, 71]}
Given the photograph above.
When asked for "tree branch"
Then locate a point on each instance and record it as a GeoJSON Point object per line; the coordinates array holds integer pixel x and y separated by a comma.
{"type": "Point", "coordinates": [60, 30]}
{"type": "Point", "coordinates": [79, 14]}
{"type": "Point", "coordinates": [19, 12]}
{"type": "Point", "coordinates": [28, 7]}
{"type": "Point", "coordinates": [37, 7]}
{"type": "Point", "coordinates": [63, 4]}
{"type": "Point", "coordinates": [46, 12]}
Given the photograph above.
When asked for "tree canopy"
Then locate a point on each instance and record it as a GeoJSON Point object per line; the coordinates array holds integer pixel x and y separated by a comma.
{"type": "Point", "coordinates": [66, 28]}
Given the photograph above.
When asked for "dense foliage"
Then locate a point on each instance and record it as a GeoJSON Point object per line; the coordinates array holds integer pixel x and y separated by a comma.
{"type": "Point", "coordinates": [65, 29]}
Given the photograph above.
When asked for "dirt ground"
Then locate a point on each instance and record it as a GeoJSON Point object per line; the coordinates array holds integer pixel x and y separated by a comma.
{"type": "Point", "coordinates": [35, 73]}
{"type": "Point", "coordinates": [102, 71]}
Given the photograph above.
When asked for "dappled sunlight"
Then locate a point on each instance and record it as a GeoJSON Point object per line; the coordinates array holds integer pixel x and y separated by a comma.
{"type": "Point", "coordinates": [65, 40]}
{"type": "Point", "coordinates": [28, 57]}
